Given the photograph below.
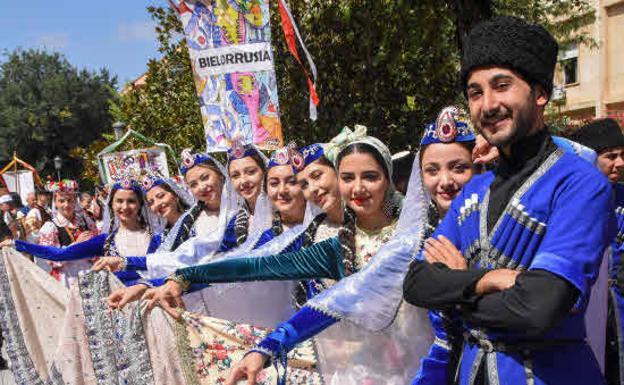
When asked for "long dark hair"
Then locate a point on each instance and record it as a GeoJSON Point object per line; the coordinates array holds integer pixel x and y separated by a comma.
{"type": "Point", "coordinates": [187, 224]}
{"type": "Point", "coordinates": [241, 223]}
{"type": "Point", "coordinates": [111, 236]}
{"type": "Point", "coordinates": [346, 234]}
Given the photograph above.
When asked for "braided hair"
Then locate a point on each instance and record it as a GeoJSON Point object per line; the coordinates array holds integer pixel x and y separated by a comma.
{"type": "Point", "coordinates": [300, 295]}
{"type": "Point", "coordinates": [188, 222]}
{"type": "Point", "coordinates": [346, 236]}
{"type": "Point", "coordinates": [241, 224]}
{"type": "Point", "coordinates": [276, 224]}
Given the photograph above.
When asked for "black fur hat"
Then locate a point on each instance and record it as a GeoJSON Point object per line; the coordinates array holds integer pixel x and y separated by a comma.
{"type": "Point", "coordinates": [600, 135]}
{"type": "Point", "coordinates": [510, 42]}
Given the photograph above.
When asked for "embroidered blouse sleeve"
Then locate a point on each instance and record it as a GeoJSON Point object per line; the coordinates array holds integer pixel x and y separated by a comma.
{"type": "Point", "coordinates": [322, 260]}
{"type": "Point", "coordinates": [90, 248]}
{"type": "Point", "coordinates": [48, 235]}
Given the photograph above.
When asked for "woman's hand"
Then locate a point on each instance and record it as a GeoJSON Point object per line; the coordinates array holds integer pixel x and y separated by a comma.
{"type": "Point", "coordinates": [248, 368]}
{"type": "Point", "coordinates": [168, 296]}
{"type": "Point", "coordinates": [483, 151]}
{"type": "Point", "coordinates": [444, 251]}
{"type": "Point", "coordinates": [496, 280]}
{"type": "Point", "coordinates": [7, 243]}
{"type": "Point", "coordinates": [108, 263]}
{"type": "Point", "coordinates": [84, 236]}
{"type": "Point", "coordinates": [122, 296]}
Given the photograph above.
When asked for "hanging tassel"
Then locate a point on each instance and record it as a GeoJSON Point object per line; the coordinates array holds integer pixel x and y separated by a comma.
{"type": "Point", "coordinates": [290, 30]}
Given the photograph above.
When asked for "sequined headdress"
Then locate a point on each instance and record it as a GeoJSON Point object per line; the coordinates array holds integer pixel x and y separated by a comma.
{"type": "Point", "coordinates": [190, 160]}
{"type": "Point", "coordinates": [311, 153]}
{"type": "Point", "coordinates": [288, 155]}
{"type": "Point", "coordinates": [239, 150]}
{"type": "Point", "coordinates": [450, 126]}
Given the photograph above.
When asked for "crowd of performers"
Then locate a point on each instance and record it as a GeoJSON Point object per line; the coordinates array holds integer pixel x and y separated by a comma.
{"type": "Point", "coordinates": [311, 267]}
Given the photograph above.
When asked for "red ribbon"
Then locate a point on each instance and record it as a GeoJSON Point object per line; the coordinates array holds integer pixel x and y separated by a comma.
{"type": "Point", "coordinates": [289, 34]}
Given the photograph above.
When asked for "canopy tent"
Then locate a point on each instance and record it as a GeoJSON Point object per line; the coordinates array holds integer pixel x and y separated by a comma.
{"type": "Point", "coordinates": [20, 177]}
{"type": "Point", "coordinates": [115, 162]}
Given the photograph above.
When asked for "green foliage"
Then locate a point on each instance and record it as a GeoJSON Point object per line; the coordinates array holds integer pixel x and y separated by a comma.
{"type": "Point", "coordinates": [48, 107]}
{"type": "Point", "coordinates": [565, 19]}
{"type": "Point", "coordinates": [389, 65]}
{"type": "Point", "coordinates": [165, 108]}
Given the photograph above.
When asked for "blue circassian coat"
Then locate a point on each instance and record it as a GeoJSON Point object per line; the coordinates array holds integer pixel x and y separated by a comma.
{"type": "Point", "coordinates": [556, 221]}
{"type": "Point", "coordinates": [615, 332]}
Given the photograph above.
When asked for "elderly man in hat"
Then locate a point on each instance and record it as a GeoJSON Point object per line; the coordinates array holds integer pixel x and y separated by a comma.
{"type": "Point", "coordinates": [532, 231]}
{"type": "Point", "coordinates": [605, 137]}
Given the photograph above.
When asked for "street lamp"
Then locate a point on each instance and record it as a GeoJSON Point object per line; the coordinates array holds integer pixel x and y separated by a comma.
{"type": "Point", "coordinates": [119, 128]}
{"type": "Point", "coordinates": [58, 162]}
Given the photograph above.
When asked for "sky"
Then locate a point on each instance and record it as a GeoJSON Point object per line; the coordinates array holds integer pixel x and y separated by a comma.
{"type": "Point", "coordinates": [114, 34]}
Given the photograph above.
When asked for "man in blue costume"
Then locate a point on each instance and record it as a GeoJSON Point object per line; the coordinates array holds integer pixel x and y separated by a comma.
{"type": "Point", "coordinates": [533, 230]}
{"type": "Point", "coordinates": [605, 137]}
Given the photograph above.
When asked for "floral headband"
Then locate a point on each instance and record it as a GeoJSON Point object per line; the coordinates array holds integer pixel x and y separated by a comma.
{"type": "Point", "coordinates": [190, 160]}
{"type": "Point", "coordinates": [450, 126]}
{"type": "Point", "coordinates": [288, 155]}
{"type": "Point", "coordinates": [65, 186]}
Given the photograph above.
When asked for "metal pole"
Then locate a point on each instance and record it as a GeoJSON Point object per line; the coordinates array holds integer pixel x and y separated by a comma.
{"type": "Point", "coordinates": [17, 183]}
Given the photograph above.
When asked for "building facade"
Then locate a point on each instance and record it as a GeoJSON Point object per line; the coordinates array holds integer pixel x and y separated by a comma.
{"type": "Point", "coordinates": [589, 83]}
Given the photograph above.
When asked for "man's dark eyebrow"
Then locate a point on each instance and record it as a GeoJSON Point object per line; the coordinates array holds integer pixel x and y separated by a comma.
{"type": "Point", "coordinates": [499, 77]}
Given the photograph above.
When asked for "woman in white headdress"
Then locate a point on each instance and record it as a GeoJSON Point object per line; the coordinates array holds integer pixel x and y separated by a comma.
{"type": "Point", "coordinates": [364, 169]}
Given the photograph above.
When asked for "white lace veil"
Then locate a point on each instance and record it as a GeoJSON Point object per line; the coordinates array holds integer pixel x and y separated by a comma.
{"type": "Point", "coordinates": [198, 250]}
{"type": "Point", "coordinates": [165, 261]}
{"type": "Point", "coordinates": [260, 303]}
{"type": "Point", "coordinates": [188, 200]}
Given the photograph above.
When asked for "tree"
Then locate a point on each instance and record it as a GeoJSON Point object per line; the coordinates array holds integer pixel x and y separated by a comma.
{"type": "Point", "coordinates": [390, 65]}
{"type": "Point", "coordinates": [165, 108]}
{"type": "Point", "coordinates": [48, 107]}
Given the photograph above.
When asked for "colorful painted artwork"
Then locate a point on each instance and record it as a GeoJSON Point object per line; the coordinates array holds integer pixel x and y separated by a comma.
{"type": "Point", "coordinates": [230, 48]}
{"type": "Point", "coordinates": [133, 163]}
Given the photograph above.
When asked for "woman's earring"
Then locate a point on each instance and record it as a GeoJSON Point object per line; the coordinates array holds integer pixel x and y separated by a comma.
{"type": "Point", "coordinates": [388, 205]}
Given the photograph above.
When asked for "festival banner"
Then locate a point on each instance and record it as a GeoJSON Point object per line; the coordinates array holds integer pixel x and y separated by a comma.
{"type": "Point", "coordinates": [133, 163]}
{"type": "Point", "coordinates": [21, 182]}
{"type": "Point", "coordinates": [230, 49]}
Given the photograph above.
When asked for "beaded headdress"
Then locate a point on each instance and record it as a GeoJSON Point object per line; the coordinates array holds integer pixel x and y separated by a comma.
{"type": "Point", "coordinates": [450, 126]}
{"type": "Point", "coordinates": [288, 155]}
